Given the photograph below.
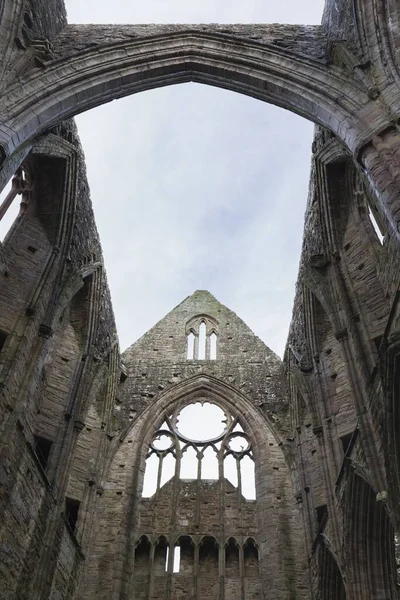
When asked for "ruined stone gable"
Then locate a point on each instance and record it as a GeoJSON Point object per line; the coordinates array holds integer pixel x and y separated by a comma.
{"type": "Point", "coordinates": [212, 523]}
{"type": "Point", "coordinates": [158, 360]}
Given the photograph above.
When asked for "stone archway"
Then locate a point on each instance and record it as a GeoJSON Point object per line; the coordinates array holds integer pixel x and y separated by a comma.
{"type": "Point", "coordinates": [284, 65]}
{"type": "Point", "coordinates": [120, 523]}
{"type": "Point", "coordinates": [295, 67]}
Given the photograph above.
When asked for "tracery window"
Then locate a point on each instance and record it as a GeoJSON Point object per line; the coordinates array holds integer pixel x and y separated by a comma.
{"type": "Point", "coordinates": [194, 443]}
{"type": "Point", "coordinates": [202, 338]}
{"type": "Point", "coordinates": [198, 511]}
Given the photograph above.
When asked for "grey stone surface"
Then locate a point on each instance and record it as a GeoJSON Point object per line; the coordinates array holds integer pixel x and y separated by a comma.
{"type": "Point", "coordinates": [77, 417]}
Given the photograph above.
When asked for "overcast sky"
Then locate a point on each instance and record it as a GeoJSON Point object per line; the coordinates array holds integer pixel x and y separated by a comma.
{"type": "Point", "coordinates": [196, 187]}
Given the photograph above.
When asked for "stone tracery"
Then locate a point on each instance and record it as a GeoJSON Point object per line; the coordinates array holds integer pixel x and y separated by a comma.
{"type": "Point", "coordinates": [230, 441]}
{"type": "Point", "coordinates": [196, 489]}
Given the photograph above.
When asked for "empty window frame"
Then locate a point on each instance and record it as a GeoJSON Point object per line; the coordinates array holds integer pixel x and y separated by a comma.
{"type": "Point", "coordinates": [201, 339]}
{"type": "Point", "coordinates": [142, 555]}
{"type": "Point", "coordinates": [42, 449]}
{"type": "Point", "coordinates": [190, 345]}
{"type": "Point", "coordinates": [177, 559]}
{"type": "Point", "coordinates": [213, 346]}
{"type": "Point", "coordinates": [161, 556]}
{"type": "Point", "coordinates": [200, 441]}
{"type": "Point", "coordinates": [71, 512]}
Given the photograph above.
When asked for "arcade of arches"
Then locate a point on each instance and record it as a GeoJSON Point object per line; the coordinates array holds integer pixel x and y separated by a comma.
{"type": "Point", "coordinates": [295, 493]}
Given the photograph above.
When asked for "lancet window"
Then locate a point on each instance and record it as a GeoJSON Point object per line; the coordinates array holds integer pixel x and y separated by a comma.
{"type": "Point", "coordinates": [202, 338]}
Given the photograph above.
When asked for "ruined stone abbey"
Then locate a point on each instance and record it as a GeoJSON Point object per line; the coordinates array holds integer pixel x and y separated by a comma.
{"type": "Point", "coordinates": [98, 498]}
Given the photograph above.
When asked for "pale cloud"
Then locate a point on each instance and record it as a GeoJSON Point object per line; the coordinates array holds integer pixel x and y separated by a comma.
{"type": "Point", "coordinates": [190, 11]}
{"type": "Point", "coordinates": [196, 187]}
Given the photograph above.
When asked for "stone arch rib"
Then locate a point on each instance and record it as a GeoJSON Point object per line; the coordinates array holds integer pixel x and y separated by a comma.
{"type": "Point", "coordinates": [102, 70]}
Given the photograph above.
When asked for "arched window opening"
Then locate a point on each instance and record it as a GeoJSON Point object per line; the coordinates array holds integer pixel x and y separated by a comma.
{"type": "Point", "coordinates": [168, 469]}
{"type": "Point", "coordinates": [177, 559]}
{"type": "Point", "coordinates": [20, 185]}
{"type": "Point", "coordinates": [190, 346]}
{"type": "Point", "coordinates": [71, 512]}
{"type": "Point", "coordinates": [189, 466]}
{"type": "Point", "coordinates": [232, 568]}
{"type": "Point", "coordinates": [201, 421]}
{"type": "Point", "coordinates": [199, 475]}
{"type": "Point", "coordinates": [208, 442]}
{"type": "Point", "coordinates": [208, 569]}
{"type": "Point", "coordinates": [209, 464]}
{"type": "Point", "coordinates": [208, 557]}
{"type": "Point", "coordinates": [202, 341]}
{"type": "Point", "coordinates": [247, 473]}
{"type": "Point", "coordinates": [161, 555]}
{"type": "Point", "coordinates": [239, 464]}
{"type": "Point", "coordinates": [162, 442]}
{"type": "Point", "coordinates": [230, 470]}
{"type": "Point", "coordinates": [151, 476]}
{"type": "Point", "coordinates": [213, 346]}
{"type": "Point", "coordinates": [142, 556]}
{"type": "Point", "coordinates": [80, 311]}
{"type": "Point", "coordinates": [250, 552]}
{"type": "Point", "coordinates": [142, 568]}
{"type": "Point", "coordinates": [186, 548]}
{"type": "Point", "coordinates": [201, 338]}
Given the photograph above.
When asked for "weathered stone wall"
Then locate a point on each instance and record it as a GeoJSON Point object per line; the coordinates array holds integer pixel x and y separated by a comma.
{"type": "Point", "coordinates": [48, 17]}
{"type": "Point", "coordinates": [340, 21]}
{"type": "Point", "coordinates": [308, 40]}
{"type": "Point", "coordinates": [326, 436]}
{"type": "Point", "coordinates": [60, 334]}
{"type": "Point", "coordinates": [158, 360]}
{"type": "Point", "coordinates": [336, 341]}
{"type": "Point", "coordinates": [246, 378]}
{"type": "Point", "coordinates": [240, 523]}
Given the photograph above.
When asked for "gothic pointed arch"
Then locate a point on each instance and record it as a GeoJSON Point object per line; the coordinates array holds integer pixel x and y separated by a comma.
{"type": "Point", "coordinates": [241, 59]}
{"type": "Point", "coordinates": [174, 503]}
